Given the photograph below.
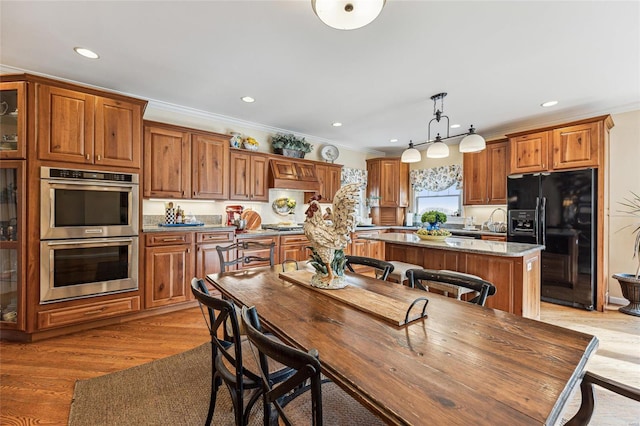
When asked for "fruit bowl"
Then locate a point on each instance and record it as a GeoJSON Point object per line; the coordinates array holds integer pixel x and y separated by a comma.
{"type": "Point", "coordinates": [433, 237]}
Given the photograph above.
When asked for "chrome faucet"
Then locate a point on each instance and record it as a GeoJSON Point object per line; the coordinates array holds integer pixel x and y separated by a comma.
{"type": "Point", "coordinates": [490, 223]}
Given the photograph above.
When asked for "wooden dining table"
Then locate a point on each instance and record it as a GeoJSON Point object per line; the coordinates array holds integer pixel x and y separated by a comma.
{"type": "Point", "coordinates": [460, 363]}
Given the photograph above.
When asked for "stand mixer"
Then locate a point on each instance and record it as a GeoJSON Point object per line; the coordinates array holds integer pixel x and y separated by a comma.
{"type": "Point", "coordinates": [232, 211]}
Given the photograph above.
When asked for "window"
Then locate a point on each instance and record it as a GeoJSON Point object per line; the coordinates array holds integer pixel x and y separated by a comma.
{"type": "Point", "coordinates": [448, 201]}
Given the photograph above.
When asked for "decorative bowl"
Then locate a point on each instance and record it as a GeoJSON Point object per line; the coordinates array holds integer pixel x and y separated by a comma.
{"type": "Point", "coordinates": [250, 147]}
{"type": "Point", "coordinates": [433, 237]}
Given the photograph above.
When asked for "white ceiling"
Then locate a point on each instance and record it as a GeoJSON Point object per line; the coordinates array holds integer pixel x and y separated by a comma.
{"type": "Point", "coordinates": [497, 60]}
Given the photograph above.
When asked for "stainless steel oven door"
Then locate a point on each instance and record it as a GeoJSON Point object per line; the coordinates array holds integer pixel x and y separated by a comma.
{"type": "Point", "coordinates": [77, 209]}
{"type": "Point", "coordinates": [75, 269]}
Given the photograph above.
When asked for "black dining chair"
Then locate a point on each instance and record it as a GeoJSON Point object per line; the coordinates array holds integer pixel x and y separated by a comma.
{"type": "Point", "coordinates": [588, 403]}
{"type": "Point", "coordinates": [229, 258]}
{"type": "Point", "coordinates": [232, 362]}
{"type": "Point", "coordinates": [304, 395]}
{"type": "Point", "coordinates": [382, 268]}
{"type": "Point", "coordinates": [422, 278]}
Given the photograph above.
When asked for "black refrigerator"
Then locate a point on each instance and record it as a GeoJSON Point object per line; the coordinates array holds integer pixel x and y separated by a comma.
{"type": "Point", "coordinates": [558, 210]}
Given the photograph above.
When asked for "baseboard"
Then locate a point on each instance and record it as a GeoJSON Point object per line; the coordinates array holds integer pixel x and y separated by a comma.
{"type": "Point", "coordinates": [618, 301]}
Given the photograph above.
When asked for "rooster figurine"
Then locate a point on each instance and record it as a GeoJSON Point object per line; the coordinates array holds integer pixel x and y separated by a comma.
{"type": "Point", "coordinates": [333, 231]}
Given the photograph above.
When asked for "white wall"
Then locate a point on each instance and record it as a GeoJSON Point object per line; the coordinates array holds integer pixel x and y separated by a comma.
{"type": "Point", "coordinates": [624, 177]}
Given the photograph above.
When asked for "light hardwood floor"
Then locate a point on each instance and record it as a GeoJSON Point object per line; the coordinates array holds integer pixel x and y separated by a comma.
{"type": "Point", "coordinates": [37, 379]}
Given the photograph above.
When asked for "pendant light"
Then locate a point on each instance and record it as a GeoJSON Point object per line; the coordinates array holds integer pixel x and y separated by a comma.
{"type": "Point", "coordinates": [472, 142]}
{"type": "Point", "coordinates": [347, 14]}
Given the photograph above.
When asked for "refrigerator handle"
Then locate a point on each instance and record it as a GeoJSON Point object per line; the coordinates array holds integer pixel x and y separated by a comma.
{"type": "Point", "coordinates": [543, 220]}
{"type": "Point", "coordinates": [537, 220]}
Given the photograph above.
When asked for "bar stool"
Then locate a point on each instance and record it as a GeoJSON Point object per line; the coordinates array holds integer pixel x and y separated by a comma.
{"type": "Point", "coordinates": [445, 288]}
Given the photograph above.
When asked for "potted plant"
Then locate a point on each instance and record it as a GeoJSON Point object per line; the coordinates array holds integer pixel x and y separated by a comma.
{"type": "Point", "coordinates": [630, 283]}
{"type": "Point", "coordinates": [433, 219]}
{"type": "Point", "coordinates": [290, 145]}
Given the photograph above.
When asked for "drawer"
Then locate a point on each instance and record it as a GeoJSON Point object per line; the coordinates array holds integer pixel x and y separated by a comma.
{"type": "Point", "coordinates": [168, 239]}
{"type": "Point", "coordinates": [293, 239]}
{"type": "Point", "coordinates": [89, 312]}
{"type": "Point", "coordinates": [213, 237]}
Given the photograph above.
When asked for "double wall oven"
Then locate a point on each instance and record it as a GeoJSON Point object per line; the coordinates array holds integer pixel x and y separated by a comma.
{"type": "Point", "coordinates": [89, 224]}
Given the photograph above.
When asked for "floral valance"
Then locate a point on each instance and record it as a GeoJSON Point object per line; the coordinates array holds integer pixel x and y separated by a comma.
{"type": "Point", "coordinates": [437, 178]}
{"type": "Point", "coordinates": [350, 175]}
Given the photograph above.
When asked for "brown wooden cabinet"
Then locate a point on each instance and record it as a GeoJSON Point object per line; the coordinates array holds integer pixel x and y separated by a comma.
{"type": "Point", "coordinates": [293, 174]}
{"type": "Point", "coordinates": [209, 166]}
{"type": "Point", "coordinates": [207, 259]}
{"type": "Point", "coordinates": [571, 146]}
{"type": "Point", "coordinates": [169, 267]}
{"type": "Point", "coordinates": [248, 180]}
{"type": "Point", "coordinates": [294, 247]}
{"type": "Point", "coordinates": [13, 258]}
{"type": "Point", "coordinates": [367, 248]}
{"type": "Point", "coordinates": [13, 120]}
{"type": "Point", "coordinates": [485, 175]}
{"type": "Point", "coordinates": [167, 159]}
{"type": "Point", "coordinates": [185, 163]}
{"type": "Point", "coordinates": [80, 127]}
{"type": "Point", "coordinates": [388, 180]}
{"type": "Point", "coordinates": [329, 176]}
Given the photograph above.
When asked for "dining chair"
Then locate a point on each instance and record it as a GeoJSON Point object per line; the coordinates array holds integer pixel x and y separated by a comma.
{"type": "Point", "coordinates": [228, 254]}
{"type": "Point", "coordinates": [230, 356]}
{"type": "Point", "coordinates": [304, 395]}
{"type": "Point", "coordinates": [444, 279]}
{"type": "Point", "coordinates": [382, 268]}
{"type": "Point", "coordinates": [588, 403]}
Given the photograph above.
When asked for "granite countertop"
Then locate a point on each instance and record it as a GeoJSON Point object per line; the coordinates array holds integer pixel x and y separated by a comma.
{"type": "Point", "coordinates": [456, 230]}
{"type": "Point", "coordinates": [200, 228]}
{"type": "Point", "coordinates": [496, 248]}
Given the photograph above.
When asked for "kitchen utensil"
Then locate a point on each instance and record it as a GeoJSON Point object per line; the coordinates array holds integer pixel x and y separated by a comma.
{"type": "Point", "coordinates": [240, 224]}
{"type": "Point", "coordinates": [231, 213]}
{"type": "Point", "coordinates": [252, 218]}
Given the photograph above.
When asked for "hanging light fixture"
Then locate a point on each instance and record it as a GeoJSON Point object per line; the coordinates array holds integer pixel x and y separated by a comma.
{"type": "Point", "coordinates": [472, 142]}
{"type": "Point", "coordinates": [347, 14]}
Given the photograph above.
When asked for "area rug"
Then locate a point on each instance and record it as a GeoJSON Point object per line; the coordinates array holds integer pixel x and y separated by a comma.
{"type": "Point", "coordinates": [169, 391]}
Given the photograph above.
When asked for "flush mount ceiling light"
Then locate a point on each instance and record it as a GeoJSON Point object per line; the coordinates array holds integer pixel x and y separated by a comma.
{"type": "Point", "coordinates": [549, 104]}
{"type": "Point", "coordinates": [471, 142]}
{"type": "Point", "coordinates": [247, 99]}
{"type": "Point", "coordinates": [86, 53]}
{"type": "Point", "coordinates": [347, 14]}
{"type": "Point", "coordinates": [336, 124]}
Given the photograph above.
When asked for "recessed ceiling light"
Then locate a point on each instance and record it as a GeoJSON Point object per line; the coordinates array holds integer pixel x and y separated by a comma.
{"type": "Point", "coordinates": [455, 126]}
{"type": "Point", "coordinates": [86, 53]}
{"type": "Point", "coordinates": [549, 104]}
{"type": "Point", "coordinates": [337, 124]}
{"type": "Point", "coordinates": [393, 140]}
{"type": "Point", "coordinates": [247, 99]}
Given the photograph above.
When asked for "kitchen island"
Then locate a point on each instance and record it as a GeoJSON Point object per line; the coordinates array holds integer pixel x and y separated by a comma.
{"type": "Point", "coordinates": [514, 268]}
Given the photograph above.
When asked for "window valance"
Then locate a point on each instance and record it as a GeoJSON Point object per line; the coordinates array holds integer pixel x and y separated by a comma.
{"type": "Point", "coordinates": [350, 175]}
{"type": "Point", "coordinates": [437, 178]}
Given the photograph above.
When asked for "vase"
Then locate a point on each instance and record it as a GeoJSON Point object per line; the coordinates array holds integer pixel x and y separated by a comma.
{"type": "Point", "coordinates": [236, 140]}
{"type": "Point", "coordinates": [630, 286]}
{"type": "Point", "coordinates": [432, 226]}
{"type": "Point", "coordinates": [289, 152]}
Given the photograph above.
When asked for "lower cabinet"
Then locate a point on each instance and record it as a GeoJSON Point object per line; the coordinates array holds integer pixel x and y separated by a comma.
{"type": "Point", "coordinates": [294, 247]}
{"type": "Point", "coordinates": [366, 248]}
{"type": "Point", "coordinates": [169, 267]}
{"type": "Point", "coordinates": [59, 317]}
{"type": "Point", "coordinates": [207, 259]}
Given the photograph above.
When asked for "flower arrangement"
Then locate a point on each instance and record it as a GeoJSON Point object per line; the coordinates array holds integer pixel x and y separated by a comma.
{"type": "Point", "coordinates": [433, 217]}
{"type": "Point", "coordinates": [251, 144]}
{"type": "Point", "coordinates": [291, 142]}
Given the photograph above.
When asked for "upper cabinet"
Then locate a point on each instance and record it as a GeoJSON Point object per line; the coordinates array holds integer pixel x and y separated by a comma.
{"type": "Point", "coordinates": [485, 175]}
{"type": "Point", "coordinates": [75, 126]}
{"type": "Point", "coordinates": [185, 163]}
{"type": "Point", "coordinates": [389, 180]}
{"type": "Point", "coordinates": [571, 146]}
{"type": "Point", "coordinates": [248, 176]}
{"type": "Point", "coordinates": [329, 176]}
{"type": "Point", "coordinates": [13, 120]}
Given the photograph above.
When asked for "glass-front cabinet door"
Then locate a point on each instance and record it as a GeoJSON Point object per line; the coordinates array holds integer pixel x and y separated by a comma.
{"type": "Point", "coordinates": [13, 119]}
{"type": "Point", "coordinates": [12, 244]}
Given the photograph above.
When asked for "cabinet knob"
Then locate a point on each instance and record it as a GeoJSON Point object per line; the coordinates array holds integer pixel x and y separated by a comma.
{"type": "Point", "coordinates": [87, 156]}
{"type": "Point", "coordinates": [99, 157]}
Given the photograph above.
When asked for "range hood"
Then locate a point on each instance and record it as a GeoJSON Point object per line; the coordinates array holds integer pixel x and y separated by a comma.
{"type": "Point", "coordinates": [293, 174]}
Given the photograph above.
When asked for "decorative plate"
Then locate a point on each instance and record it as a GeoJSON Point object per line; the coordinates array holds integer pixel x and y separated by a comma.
{"type": "Point", "coordinates": [329, 153]}
{"type": "Point", "coordinates": [433, 237]}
